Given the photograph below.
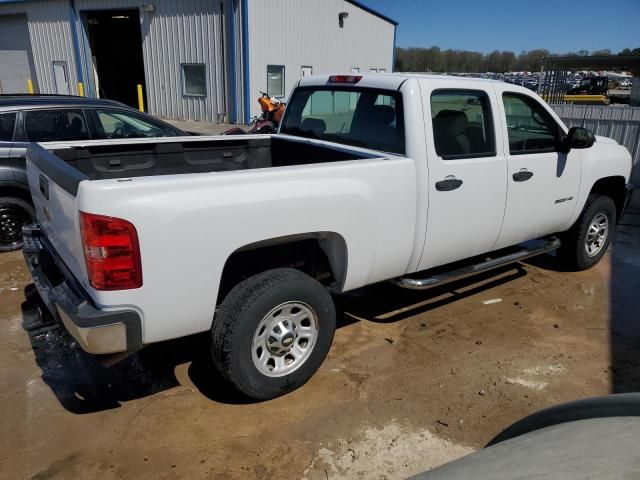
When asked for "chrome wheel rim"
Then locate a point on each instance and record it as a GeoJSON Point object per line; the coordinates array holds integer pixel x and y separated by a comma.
{"type": "Point", "coordinates": [284, 339]}
{"type": "Point", "coordinates": [597, 234]}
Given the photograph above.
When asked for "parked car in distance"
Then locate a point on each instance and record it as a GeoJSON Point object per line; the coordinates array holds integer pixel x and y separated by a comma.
{"type": "Point", "coordinates": [48, 118]}
{"type": "Point", "coordinates": [371, 178]}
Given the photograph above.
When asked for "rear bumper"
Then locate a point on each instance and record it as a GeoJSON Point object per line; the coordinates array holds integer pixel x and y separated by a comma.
{"type": "Point", "coordinates": [97, 331]}
{"type": "Point", "coordinates": [627, 200]}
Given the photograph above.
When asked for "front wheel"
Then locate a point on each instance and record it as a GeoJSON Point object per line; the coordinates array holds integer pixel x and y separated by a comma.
{"type": "Point", "coordinates": [587, 241]}
{"type": "Point", "coordinates": [272, 332]}
{"type": "Point", "coordinates": [15, 213]}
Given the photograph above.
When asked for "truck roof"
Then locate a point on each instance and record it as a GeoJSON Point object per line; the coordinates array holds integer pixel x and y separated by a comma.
{"type": "Point", "coordinates": [392, 81]}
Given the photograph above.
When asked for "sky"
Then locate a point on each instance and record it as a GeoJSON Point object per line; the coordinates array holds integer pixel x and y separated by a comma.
{"type": "Point", "coordinates": [560, 26]}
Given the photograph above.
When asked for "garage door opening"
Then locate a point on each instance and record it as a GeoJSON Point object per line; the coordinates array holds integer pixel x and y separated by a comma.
{"type": "Point", "coordinates": [116, 50]}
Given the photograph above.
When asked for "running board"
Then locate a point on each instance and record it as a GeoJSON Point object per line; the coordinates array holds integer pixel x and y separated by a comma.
{"type": "Point", "coordinates": [550, 244]}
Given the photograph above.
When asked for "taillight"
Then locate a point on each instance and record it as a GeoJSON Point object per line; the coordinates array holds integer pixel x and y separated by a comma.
{"type": "Point", "coordinates": [111, 252]}
{"type": "Point", "coordinates": [345, 78]}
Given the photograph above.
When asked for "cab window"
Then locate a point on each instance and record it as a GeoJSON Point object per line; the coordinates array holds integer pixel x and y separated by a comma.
{"type": "Point", "coordinates": [55, 125]}
{"type": "Point", "coordinates": [462, 124]}
{"type": "Point", "coordinates": [530, 127]}
{"type": "Point", "coordinates": [361, 117]}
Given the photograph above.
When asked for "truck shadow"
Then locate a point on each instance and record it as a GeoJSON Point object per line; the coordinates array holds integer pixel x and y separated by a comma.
{"type": "Point", "coordinates": [387, 303]}
{"type": "Point", "coordinates": [624, 304]}
{"type": "Point", "coordinates": [624, 300]}
{"type": "Point", "coordinates": [84, 385]}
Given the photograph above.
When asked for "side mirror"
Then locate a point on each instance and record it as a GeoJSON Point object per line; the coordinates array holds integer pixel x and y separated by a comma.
{"type": "Point", "coordinates": [578, 137]}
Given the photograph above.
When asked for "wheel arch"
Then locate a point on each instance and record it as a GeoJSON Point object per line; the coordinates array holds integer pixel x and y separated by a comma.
{"type": "Point", "coordinates": [15, 189]}
{"type": "Point", "coordinates": [613, 187]}
{"type": "Point", "coordinates": [321, 254]}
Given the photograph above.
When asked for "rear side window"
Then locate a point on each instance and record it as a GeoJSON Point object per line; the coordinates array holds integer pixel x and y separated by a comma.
{"type": "Point", "coordinates": [7, 126]}
{"type": "Point", "coordinates": [361, 117]}
{"type": "Point", "coordinates": [530, 127]}
{"type": "Point", "coordinates": [462, 124]}
{"type": "Point", "coordinates": [55, 125]}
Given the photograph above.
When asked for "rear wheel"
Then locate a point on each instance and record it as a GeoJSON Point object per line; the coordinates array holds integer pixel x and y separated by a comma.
{"type": "Point", "coordinates": [587, 241]}
{"type": "Point", "coordinates": [15, 213]}
{"type": "Point", "coordinates": [272, 332]}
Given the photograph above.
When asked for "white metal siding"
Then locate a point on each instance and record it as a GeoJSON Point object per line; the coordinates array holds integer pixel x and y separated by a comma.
{"type": "Point", "coordinates": [50, 35]}
{"type": "Point", "coordinates": [177, 32]}
{"type": "Point", "coordinates": [297, 33]}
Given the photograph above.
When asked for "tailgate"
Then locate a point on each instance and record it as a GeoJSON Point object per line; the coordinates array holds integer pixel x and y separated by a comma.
{"type": "Point", "coordinates": [54, 184]}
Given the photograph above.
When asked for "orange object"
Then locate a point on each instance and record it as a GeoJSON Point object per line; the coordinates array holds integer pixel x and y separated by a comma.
{"type": "Point", "coordinates": [266, 104]}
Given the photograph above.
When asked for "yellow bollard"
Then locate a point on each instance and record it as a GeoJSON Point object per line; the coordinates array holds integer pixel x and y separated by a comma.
{"type": "Point", "coordinates": [30, 87]}
{"type": "Point", "coordinates": [81, 89]}
{"type": "Point", "coordinates": [140, 98]}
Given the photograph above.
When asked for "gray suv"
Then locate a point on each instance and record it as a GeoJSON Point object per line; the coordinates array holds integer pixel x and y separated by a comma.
{"type": "Point", "coordinates": [52, 118]}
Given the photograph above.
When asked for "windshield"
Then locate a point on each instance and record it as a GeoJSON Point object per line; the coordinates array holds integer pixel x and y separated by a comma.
{"type": "Point", "coordinates": [360, 117]}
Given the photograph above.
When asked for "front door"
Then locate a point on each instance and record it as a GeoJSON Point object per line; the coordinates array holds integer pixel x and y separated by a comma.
{"type": "Point", "coordinates": [543, 183]}
{"type": "Point", "coordinates": [467, 173]}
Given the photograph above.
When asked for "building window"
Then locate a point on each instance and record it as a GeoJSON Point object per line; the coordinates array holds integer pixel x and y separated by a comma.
{"type": "Point", "coordinates": [355, 69]}
{"type": "Point", "coordinates": [275, 80]}
{"type": "Point", "coordinates": [194, 79]}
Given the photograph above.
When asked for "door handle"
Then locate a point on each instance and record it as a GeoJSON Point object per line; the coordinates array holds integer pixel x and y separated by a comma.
{"type": "Point", "coordinates": [449, 183]}
{"type": "Point", "coordinates": [522, 176]}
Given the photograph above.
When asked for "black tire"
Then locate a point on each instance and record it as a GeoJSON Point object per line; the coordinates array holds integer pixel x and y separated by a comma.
{"type": "Point", "coordinates": [242, 312]}
{"type": "Point", "coordinates": [573, 252]}
{"type": "Point", "coordinates": [14, 214]}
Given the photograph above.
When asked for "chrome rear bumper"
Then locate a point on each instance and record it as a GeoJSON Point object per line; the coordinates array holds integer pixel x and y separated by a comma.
{"type": "Point", "coordinates": [96, 331]}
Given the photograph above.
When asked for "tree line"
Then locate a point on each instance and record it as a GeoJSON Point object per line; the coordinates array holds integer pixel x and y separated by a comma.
{"type": "Point", "coordinates": [414, 59]}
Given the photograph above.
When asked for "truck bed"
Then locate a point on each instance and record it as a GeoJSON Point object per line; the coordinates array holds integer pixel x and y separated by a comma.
{"type": "Point", "coordinates": [189, 224]}
{"type": "Point", "coordinates": [107, 160]}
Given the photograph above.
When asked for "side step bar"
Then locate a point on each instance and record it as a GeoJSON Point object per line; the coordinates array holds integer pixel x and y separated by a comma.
{"type": "Point", "coordinates": [548, 245]}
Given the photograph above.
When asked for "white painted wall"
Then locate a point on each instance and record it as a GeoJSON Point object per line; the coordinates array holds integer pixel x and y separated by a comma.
{"type": "Point", "coordinates": [297, 33]}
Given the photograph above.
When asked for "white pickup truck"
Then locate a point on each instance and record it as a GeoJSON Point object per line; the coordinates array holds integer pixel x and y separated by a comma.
{"type": "Point", "coordinates": [371, 178]}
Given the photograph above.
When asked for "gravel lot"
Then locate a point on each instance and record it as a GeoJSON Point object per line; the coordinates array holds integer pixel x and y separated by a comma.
{"type": "Point", "coordinates": [413, 379]}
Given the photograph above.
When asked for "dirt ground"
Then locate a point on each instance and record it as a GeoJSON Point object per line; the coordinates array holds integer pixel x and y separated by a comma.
{"type": "Point", "coordinates": [413, 379]}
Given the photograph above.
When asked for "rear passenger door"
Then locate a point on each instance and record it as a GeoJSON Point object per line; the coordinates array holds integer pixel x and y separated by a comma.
{"type": "Point", "coordinates": [542, 183]}
{"type": "Point", "coordinates": [467, 172]}
{"type": "Point", "coordinates": [7, 128]}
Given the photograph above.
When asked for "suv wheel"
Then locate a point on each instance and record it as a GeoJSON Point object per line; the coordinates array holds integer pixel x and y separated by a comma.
{"type": "Point", "coordinates": [15, 213]}
{"type": "Point", "coordinates": [272, 332]}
